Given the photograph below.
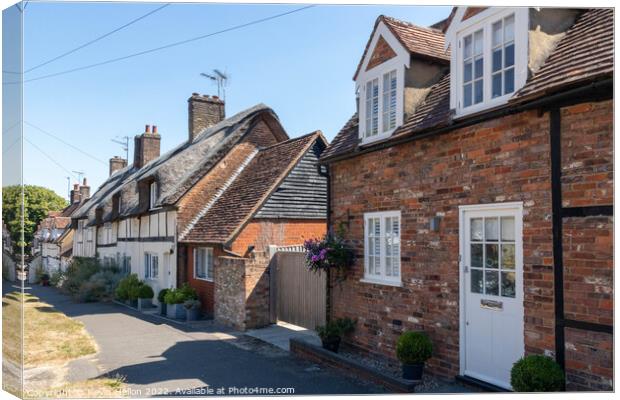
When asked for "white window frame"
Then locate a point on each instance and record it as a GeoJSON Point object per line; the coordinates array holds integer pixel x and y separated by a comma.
{"type": "Point", "coordinates": [382, 278]}
{"type": "Point", "coordinates": [209, 258]}
{"type": "Point", "coordinates": [485, 20]}
{"type": "Point", "coordinates": [148, 265]}
{"type": "Point", "coordinates": [153, 189]}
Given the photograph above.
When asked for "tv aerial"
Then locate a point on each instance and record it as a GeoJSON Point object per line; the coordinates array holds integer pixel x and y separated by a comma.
{"type": "Point", "coordinates": [124, 142]}
{"type": "Point", "coordinates": [221, 79]}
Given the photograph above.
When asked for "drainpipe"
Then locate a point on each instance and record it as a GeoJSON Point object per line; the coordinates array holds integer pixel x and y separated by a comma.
{"type": "Point", "coordinates": [327, 175]}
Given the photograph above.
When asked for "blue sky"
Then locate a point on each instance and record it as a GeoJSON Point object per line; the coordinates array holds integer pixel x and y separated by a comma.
{"type": "Point", "coordinates": [301, 65]}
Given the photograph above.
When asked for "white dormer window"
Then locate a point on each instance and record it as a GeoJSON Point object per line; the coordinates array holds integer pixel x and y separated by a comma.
{"type": "Point", "coordinates": [153, 193]}
{"type": "Point", "coordinates": [489, 58]}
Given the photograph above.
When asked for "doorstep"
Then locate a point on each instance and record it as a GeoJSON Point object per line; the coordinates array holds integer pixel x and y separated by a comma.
{"type": "Point", "coordinates": [315, 353]}
{"type": "Point", "coordinates": [281, 333]}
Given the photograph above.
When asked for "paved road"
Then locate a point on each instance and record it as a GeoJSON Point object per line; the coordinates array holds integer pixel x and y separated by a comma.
{"type": "Point", "coordinates": [157, 357]}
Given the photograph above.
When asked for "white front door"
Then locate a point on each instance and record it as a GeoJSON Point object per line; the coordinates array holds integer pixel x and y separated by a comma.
{"type": "Point", "coordinates": [491, 291]}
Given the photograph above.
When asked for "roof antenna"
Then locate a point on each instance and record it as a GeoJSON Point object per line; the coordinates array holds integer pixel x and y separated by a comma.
{"type": "Point", "coordinates": [221, 79]}
{"type": "Point", "coordinates": [80, 174]}
{"type": "Point", "coordinates": [124, 142]}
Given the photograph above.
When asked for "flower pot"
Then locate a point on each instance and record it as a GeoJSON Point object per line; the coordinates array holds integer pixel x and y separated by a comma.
{"type": "Point", "coordinates": [144, 304]}
{"type": "Point", "coordinates": [45, 282]}
{"type": "Point", "coordinates": [331, 343]}
{"type": "Point", "coordinates": [192, 314]}
{"type": "Point", "coordinates": [176, 311]}
{"type": "Point", "coordinates": [163, 308]}
{"type": "Point", "coordinates": [413, 372]}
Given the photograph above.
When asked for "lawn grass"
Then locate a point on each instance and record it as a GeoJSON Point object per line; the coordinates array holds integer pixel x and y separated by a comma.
{"type": "Point", "coordinates": [50, 337]}
{"type": "Point", "coordinates": [107, 388]}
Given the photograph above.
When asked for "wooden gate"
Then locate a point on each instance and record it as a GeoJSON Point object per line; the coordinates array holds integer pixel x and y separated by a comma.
{"type": "Point", "coordinates": [298, 296]}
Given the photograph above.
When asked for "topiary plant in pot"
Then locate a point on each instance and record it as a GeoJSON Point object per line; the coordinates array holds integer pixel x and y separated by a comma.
{"type": "Point", "coordinates": [413, 349]}
{"type": "Point", "coordinates": [145, 297]}
{"type": "Point", "coordinates": [536, 373]}
{"type": "Point", "coordinates": [162, 303]}
{"type": "Point", "coordinates": [331, 333]}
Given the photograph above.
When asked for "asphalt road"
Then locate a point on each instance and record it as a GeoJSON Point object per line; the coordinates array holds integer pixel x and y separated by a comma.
{"type": "Point", "coordinates": [156, 357]}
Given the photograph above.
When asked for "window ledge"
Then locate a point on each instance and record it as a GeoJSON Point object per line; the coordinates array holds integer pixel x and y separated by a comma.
{"type": "Point", "coordinates": [203, 279]}
{"type": "Point", "coordinates": [382, 282]}
{"type": "Point", "coordinates": [377, 138]}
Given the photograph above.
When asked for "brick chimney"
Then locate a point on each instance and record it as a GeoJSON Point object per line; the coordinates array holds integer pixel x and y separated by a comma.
{"type": "Point", "coordinates": [146, 147]}
{"type": "Point", "coordinates": [84, 190]}
{"type": "Point", "coordinates": [204, 112]}
{"type": "Point", "coordinates": [75, 194]}
{"type": "Point", "coordinates": [117, 163]}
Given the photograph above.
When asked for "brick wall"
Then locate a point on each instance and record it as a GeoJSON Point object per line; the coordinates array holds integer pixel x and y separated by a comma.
{"type": "Point", "coordinates": [242, 292]}
{"type": "Point", "coordinates": [506, 159]}
{"type": "Point", "coordinates": [381, 53]}
{"type": "Point", "coordinates": [204, 288]}
{"type": "Point", "coordinates": [261, 233]}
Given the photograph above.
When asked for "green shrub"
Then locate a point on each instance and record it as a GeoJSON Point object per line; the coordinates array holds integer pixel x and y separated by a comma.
{"type": "Point", "coordinates": [413, 348]}
{"type": "Point", "coordinates": [57, 278]}
{"type": "Point", "coordinates": [180, 295]}
{"type": "Point", "coordinates": [79, 271]}
{"type": "Point", "coordinates": [336, 328]}
{"type": "Point", "coordinates": [536, 373]}
{"type": "Point", "coordinates": [127, 288]}
{"type": "Point", "coordinates": [145, 292]}
{"type": "Point", "coordinates": [161, 295]}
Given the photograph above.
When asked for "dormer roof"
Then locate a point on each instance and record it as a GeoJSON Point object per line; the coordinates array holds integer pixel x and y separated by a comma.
{"type": "Point", "coordinates": [423, 42]}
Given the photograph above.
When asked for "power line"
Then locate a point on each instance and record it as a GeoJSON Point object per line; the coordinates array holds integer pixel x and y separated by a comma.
{"type": "Point", "coordinates": [50, 158]}
{"type": "Point", "coordinates": [97, 38]}
{"type": "Point", "coordinates": [65, 142]}
{"type": "Point", "coordinates": [6, 150]}
{"type": "Point", "coordinates": [167, 46]}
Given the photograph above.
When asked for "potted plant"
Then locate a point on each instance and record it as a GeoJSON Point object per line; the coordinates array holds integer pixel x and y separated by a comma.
{"type": "Point", "coordinates": [45, 279]}
{"type": "Point", "coordinates": [162, 303]}
{"type": "Point", "coordinates": [413, 349]}
{"type": "Point", "coordinates": [332, 332]}
{"type": "Point", "coordinates": [127, 290]}
{"type": "Point", "coordinates": [536, 373]}
{"type": "Point", "coordinates": [192, 309]}
{"type": "Point", "coordinates": [145, 297]}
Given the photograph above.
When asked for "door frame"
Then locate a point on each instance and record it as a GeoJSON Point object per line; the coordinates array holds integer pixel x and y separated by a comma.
{"type": "Point", "coordinates": [515, 206]}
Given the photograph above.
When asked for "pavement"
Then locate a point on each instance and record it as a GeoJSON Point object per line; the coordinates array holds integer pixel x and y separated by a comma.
{"type": "Point", "coordinates": [157, 357]}
{"type": "Point", "coordinates": [281, 333]}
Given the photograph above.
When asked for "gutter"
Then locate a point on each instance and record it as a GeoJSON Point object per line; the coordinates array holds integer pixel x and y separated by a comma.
{"type": "Point", "coordinates": [567, 96]}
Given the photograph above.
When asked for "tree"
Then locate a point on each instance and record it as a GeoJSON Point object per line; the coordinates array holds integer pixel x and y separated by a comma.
{"type": "Point", "coordinates": [38, 201]}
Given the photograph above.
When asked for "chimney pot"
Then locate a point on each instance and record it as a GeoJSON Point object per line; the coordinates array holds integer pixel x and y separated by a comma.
{"type": "Point", "coordinates": [147, 128]}
{"type": "Point", "coordinates": [154, 129]}
{"type": "Point", "coordinates": [146, 148]}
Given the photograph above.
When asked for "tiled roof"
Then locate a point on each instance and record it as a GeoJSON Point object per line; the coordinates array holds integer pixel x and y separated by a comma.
{"type": "Point", "coordinates": [584, 54]}
{"type": "Point", "coordinates": [249, 190]}
{"type": "Point", "coordinates": [421, 41]}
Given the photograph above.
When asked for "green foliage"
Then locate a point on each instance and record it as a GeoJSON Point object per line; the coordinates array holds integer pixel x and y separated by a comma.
{"type": "Point", "coordinates": [87, 281]}
{"type": "Point", "coordinates": [180, 295]}
{"type": "Point", "coordinates": [161, 295]}
{"type": "Point", "coordinates": [127, 288]}
{"type": "Point", "coordinates": [336, 328]}
{"type": "Point", "coordinates": [145, 292]}
{"type": "Point", "coordinates": [79, 271]}
{"type": "Point", "coordinates": [537, 373]}
{"type": "Point", "coordinates": [57, 278]}
{"type": "Point", "coordinates": [414, 348]}
{"type": "Point", "coordinates": [37, 202]}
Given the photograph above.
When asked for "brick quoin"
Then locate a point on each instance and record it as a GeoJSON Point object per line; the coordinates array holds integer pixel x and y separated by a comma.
{"type": "Point", "coordinates": [501, 160]}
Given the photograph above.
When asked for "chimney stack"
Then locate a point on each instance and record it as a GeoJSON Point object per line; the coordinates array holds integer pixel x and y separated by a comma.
{"type": "Point", "coordinates": [75, 194]}
{"type": "Point", "coordinates": [84, 191]}
{"type": "Point", "coordinates": [117, 163]}
{"type": "Point", "coordinates": [146, 147]}
{"type": "Point", "coordinates": [204, 112]}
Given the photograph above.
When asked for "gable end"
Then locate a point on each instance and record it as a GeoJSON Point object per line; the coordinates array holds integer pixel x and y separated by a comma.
{"type": "Point", "coordinates": [381, 53]}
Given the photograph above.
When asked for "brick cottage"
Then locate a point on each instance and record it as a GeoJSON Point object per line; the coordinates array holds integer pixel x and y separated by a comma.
{"type": "Point", "coordinates": [475, 185]}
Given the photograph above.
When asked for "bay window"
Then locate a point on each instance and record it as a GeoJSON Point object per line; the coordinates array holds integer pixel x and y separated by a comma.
{"type": "Point", "coordinates": [382, 247]}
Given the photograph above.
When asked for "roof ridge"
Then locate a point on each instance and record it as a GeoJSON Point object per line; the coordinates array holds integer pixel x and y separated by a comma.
{"type": "Point", "coordinates": [288, 141]}
{"type": "Point", "coordinates": [411, 24]}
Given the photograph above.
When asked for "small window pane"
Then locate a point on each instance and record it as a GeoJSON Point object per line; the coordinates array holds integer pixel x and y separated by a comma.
{"type": "Point", "coordinates": [508, 229]}
{"type": "Point", "coordinates": [509, 56]}
{"type": "Point", "coordinates": [478, 91]}
{"type": "Point", "coordinates": [491, 229]}
{"type": "Point", "coordinates": [478, 42]}
{"type": "Point", "coordinates": [491, 256]}
{"type": "Point", "coordinates": [497, 84]}
{"type": "Point", "coordinates": [476, 255]}
{"type": "Point", "coordinates": [497, 59]}
{"type": "Point", "coordinates": [478, 70]}
{"type": "Point", "coordinates": [467, 47]}
{"type": "Point", "coordinates": [509, 28]}
{"type": "Point", "coordinates": [508, 284]}
{"type": "Point", "coordinates": [476, 229]}
{"type": "Point", "coordinates": [508, 256]}
{"type": "Point", "coordinates": [476, 281]}
{"type": "Point", "coordinates": [491, 282]}
{"type": "Point", "coordinates": [467, 95]}
{"type": "Point", "coordinates": [509, 81]}
{"type": "Point", "coordinates": [467, 71]}
{"type": "Point", "coordinates": [497, 33]}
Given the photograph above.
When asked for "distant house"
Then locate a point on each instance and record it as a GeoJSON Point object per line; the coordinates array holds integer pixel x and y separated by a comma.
{"type": "Point", "coordinates": [235, 186]}
{"type": "Point", "coordinates": [475, 184]}
{"type": "Point", "coordinates": [53, 239]}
